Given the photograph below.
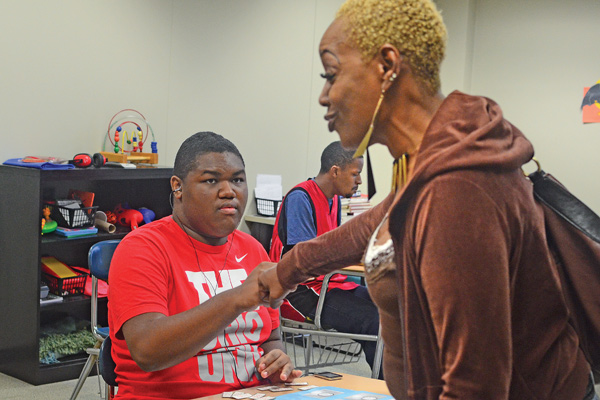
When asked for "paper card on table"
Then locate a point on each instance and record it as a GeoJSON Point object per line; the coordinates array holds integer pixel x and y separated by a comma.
{"type": "Point", "coordinates": [307, 387]}
{"type": "Point", "coordinates": [257, 396]}
{"type": "Point", "coordinates": [265, 387]}
{"type": "Point", "coordinates": [296, 383]}
{"type": "Point", "coordinates": [227, 394]}
{"type": "Point", "coordinates": [281, 389]}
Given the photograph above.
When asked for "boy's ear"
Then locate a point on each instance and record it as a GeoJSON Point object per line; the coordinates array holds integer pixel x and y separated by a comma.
{"type": "Point", "coordinates": [176, 184]}
{"type": "Point", "coordinates": [334, 171]}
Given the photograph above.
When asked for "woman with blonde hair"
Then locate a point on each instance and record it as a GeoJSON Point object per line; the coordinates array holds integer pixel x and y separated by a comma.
{"type": "Point", "coordinates": [456, 257]}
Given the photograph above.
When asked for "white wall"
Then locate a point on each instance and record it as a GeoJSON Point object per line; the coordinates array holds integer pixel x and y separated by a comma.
{"type": "Point", "coordinates": [244, 70]}
{"type": "Point", "coordinates": [533, 58]}
{"type": "Point", "coordinates": [250, 71]}
{"type": "Point", "coordinates": [69, 65]}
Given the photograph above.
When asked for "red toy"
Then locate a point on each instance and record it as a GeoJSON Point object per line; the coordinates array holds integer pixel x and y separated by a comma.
{"type": "Point", "coordinates": [128, 217]}
{"type": "Point", "coordinates": [111, 218]}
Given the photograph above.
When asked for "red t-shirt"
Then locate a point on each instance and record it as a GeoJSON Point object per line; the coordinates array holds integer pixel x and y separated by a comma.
{"type": "Point", "coordinates": [155, 269]}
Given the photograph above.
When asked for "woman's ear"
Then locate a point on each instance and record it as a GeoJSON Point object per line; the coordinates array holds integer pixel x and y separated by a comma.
{"type": "Point", "coordinates": [390, 61]}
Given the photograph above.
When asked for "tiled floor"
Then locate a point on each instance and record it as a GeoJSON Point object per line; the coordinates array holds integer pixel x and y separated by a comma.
{"type": "Point", "coordinates": [13, 389]}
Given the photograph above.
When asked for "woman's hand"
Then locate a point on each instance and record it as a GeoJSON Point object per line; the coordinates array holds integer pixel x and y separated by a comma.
{"type": "Point", "coordinates": [277, 367]}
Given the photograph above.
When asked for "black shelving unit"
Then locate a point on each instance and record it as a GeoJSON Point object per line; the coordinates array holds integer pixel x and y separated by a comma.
{"type": "Point", "coordinates": [22, 194]}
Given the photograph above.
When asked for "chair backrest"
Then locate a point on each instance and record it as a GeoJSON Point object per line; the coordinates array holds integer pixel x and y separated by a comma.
{"type": "Point", "coordinates": [106, 364]}
{"type": "Point", "coordinates": [99, 257]}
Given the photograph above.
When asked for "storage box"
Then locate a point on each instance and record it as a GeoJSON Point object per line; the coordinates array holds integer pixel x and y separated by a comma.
{"type": "Point", "coordinates": [267, 208]}
{"type": "Point", "coordinates": [65, 286]}
{"type": "Point", "coordinates": [72, 217]}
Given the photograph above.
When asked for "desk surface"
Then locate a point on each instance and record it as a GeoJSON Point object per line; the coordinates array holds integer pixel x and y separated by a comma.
{"type": "Point", "coordinates": [261, 219]}
{"type": "Point", "coordinates": [352, 382]}
{"type": "Point", "coordinates": [354, 268]}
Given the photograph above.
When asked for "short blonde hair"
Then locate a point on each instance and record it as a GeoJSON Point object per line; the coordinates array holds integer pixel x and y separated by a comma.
{"type": "Point", "coordinates": [414, 27]}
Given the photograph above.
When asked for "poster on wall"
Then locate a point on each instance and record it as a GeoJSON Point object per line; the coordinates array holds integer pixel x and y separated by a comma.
{"type": "Point", "coordinates": [590, 106]}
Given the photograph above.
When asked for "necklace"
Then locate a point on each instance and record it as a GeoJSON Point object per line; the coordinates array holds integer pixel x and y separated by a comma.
{"type": "Point", "coordinates": [399, 172]}
{"type": "Point", "coordinates": [214, 289]}
{"type": "Point", "coordinates": [226, 348]}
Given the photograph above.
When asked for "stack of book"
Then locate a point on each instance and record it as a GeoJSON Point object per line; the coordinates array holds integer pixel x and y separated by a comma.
{"type": "Point", "coordinates": [356, 204]}
{"type": "Point", "coordinates": [76, 232]}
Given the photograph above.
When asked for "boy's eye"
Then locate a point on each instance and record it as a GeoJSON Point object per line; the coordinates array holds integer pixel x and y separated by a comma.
{"type": "Point", "coordinates": [238, 180]}
{"type": "Point", "coordinates": [211, 180]}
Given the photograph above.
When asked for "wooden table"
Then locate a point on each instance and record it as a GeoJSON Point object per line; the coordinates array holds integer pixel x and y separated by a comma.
{"type": "Point", "coordinates": [352, 382]}
{"type": "Point", "coordinates": [354, 270]}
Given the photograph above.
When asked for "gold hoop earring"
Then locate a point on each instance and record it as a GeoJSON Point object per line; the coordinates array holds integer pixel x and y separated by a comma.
{"type": "Point", "coordinates": [365, 142]}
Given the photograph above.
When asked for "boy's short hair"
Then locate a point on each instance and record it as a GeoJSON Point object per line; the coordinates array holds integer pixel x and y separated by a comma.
{"type": "Point", "coordinates": [198, 144]}
{"type": "Point", "coordinates": [334, 154]}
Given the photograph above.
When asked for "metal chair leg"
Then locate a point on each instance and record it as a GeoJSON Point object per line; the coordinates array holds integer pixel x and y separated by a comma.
{"type": "Point", "coordinates": [87, 368]}
{"type": "Point", "coordinates": [378, 358]}
{"type": "Point", "coordinates": [89, 364]}
{"type": "Point", "coordinates": [308, 352]}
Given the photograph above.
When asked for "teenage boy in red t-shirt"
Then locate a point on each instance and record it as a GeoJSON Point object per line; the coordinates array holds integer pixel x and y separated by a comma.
{"type": "Point", "coordinates": [183, 296]}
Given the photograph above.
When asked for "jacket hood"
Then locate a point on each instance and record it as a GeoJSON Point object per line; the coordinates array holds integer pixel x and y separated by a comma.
{"type": "Point", "coordinates": [470, 132]}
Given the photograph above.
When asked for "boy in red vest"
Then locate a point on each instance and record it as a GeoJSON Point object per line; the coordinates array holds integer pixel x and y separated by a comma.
{"type": "Point", "coordinates": [309, 209]}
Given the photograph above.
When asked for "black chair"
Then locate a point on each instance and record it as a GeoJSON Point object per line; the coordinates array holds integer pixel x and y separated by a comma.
{"type": "Point", "coordinates": [106, 367]}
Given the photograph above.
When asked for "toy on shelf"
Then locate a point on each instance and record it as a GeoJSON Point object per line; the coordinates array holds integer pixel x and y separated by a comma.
{"type": "Point", "coordinates": [85, 160]}
{"type": "Point", "coordinates": [126, 148]}
{"type": "Point", "coordinates": [100, 222]}
{"type": "Point", "coordinates": [111, 218]}
{"type": "Point", "coordinates": [48, 225]}
{"type": "Point", "coordinates": [148, 214]}
{"type": "Point", "coordinates": [128, 217]}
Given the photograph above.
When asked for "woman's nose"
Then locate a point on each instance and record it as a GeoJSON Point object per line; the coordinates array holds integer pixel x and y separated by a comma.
{"type": "Point", "coordinates": [324, 96]}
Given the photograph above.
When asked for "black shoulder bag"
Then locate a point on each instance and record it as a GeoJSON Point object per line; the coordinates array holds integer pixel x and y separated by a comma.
{"type": "Point", "coordinates": [573, 234]}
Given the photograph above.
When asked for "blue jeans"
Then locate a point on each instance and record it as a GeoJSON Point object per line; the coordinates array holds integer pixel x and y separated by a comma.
{"type": "Point", "coordinates": [350, 311]}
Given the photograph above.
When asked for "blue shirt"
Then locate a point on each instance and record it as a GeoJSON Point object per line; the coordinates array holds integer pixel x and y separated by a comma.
{"type": "Point", "coordinates": [300, 219]}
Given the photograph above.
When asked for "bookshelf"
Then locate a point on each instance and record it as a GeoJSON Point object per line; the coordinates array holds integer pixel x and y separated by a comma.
{"type": "Point", "coordinates": [21, 246]}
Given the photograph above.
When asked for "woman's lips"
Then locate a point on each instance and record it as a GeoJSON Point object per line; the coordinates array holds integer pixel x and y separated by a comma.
{"type": "Point", "coordinates": [330, 118]}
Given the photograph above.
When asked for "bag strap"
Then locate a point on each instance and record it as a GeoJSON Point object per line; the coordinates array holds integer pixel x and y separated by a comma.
{"type": "Point", "coordinates": [554, 195]}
